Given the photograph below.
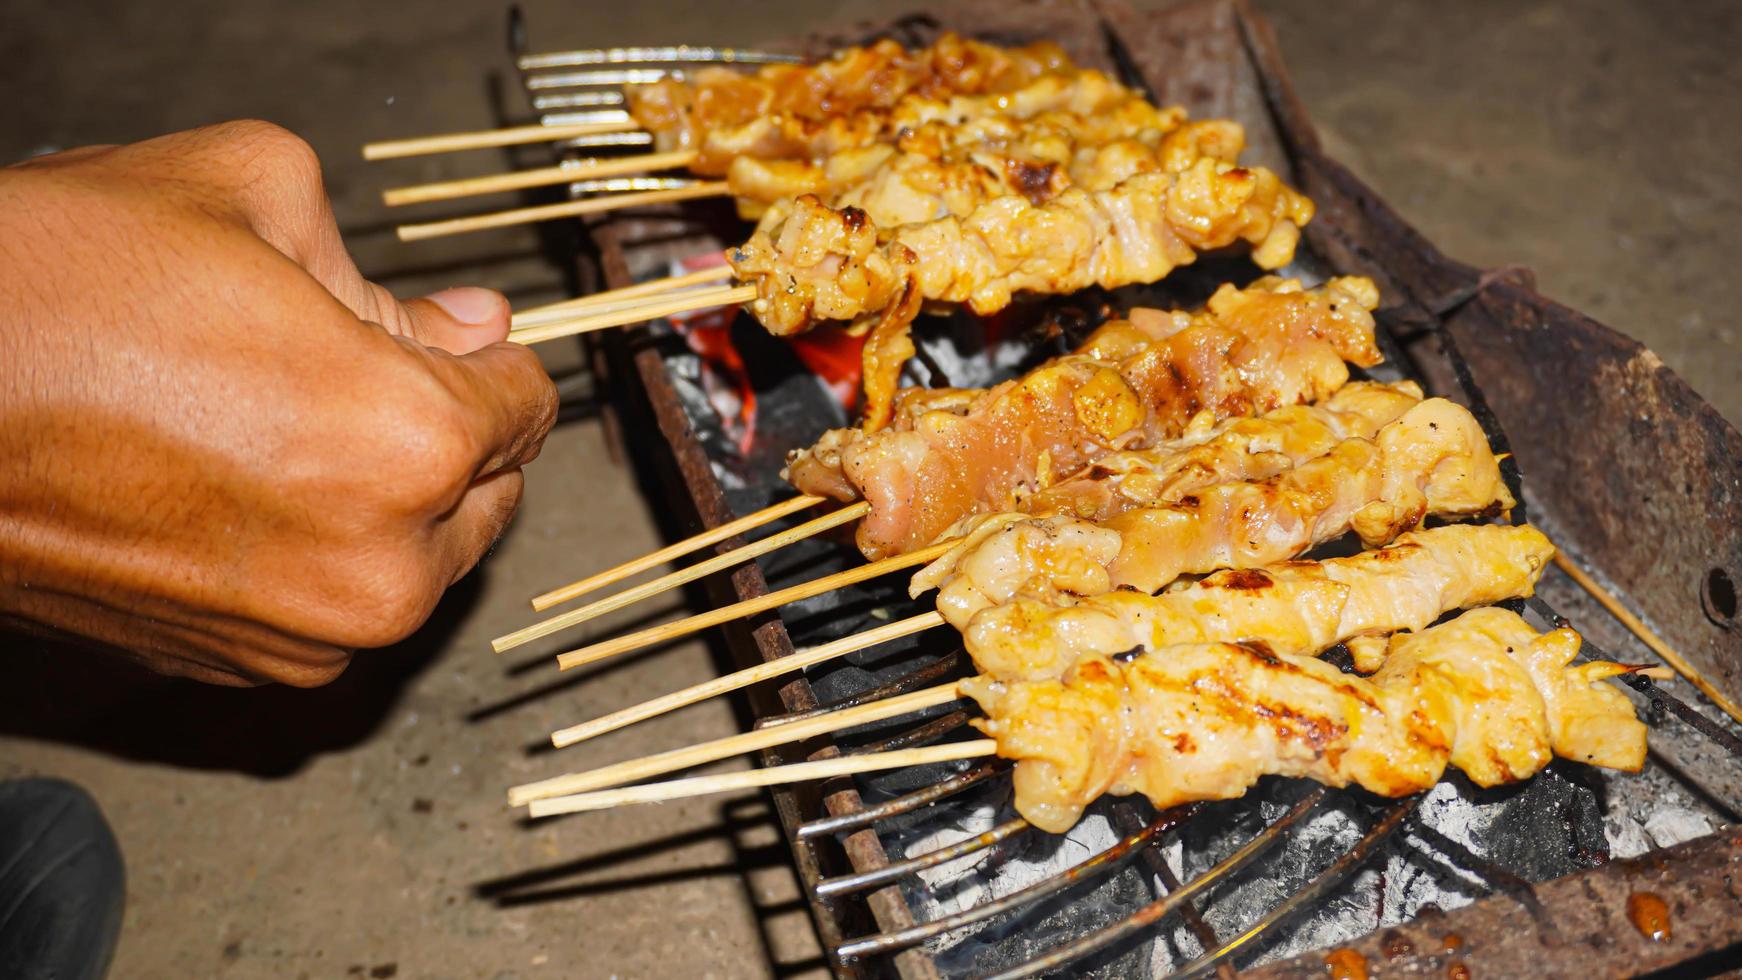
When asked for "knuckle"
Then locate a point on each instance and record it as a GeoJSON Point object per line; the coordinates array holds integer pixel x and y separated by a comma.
{"type": "Point", "coordinates": [272, 146]}
{"type": "Point", "coordinates": [277, 177]}
{"type": "Point", "coordinates": [421, 439]}
{"type": "Point", "coordinates": [439, 447]}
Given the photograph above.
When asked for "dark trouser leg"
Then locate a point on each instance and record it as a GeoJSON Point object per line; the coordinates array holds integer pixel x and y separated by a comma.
{"type": "Point", "coordinates": [61, 883]}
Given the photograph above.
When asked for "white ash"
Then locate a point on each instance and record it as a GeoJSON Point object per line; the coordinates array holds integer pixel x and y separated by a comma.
{"type": "Point", "coordinates": [1671, 827]}
{"type": "Point", "coordinates": [1651, 810]}
{"type": "Point", "coordinates": [966, 883]}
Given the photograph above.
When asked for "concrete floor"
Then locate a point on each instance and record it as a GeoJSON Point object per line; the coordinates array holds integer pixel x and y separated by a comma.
{"type": "Point", "coordinates": [358, 830]}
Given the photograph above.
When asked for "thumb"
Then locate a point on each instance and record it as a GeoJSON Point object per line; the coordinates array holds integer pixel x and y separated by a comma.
{"type": "Point", "coordinates": [460, 320]}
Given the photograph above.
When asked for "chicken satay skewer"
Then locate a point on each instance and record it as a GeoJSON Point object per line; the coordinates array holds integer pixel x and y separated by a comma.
{"type": "Point", "coordinates": [1351, 603]}
{"type": "Point", "coordinates": [1476, 713]}
{"type": "Point", "coordinates": [842, 125]}
{"type": "Point", "coordinates": [973, 175]}
{"type": "Point", "coordinates": [1433, 460]}
{"type": "Point", "coordinates": [786, 86]}
{"type": "Point", "coordinates": [951, 172]}
{"type": "Point", "coordinates": [568, 173]}
{"type": "Point", "coordinates": [1379, 492]}
{"type": "Point", "coordinates": [810, 263]}
{"type": "Point", "coordinates": [1295, 435]}
{"type": "Point", "coordinates": [688, 757]}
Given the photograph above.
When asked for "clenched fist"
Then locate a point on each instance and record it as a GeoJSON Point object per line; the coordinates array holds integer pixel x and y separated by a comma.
{"type": "Point", "coordinates": [221, 449]}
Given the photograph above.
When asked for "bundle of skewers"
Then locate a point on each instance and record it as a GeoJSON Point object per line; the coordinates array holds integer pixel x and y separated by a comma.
{"type": "Point", "coordinates": [1122, 536]}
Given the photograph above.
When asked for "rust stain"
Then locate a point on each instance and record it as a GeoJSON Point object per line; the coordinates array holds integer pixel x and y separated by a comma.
{"type": "Point", "coordinates": [1650, 915]}
{"type": "Point", "coordinates": [1458, 971]}
{"type": "Point", "coordinates": [1345, 964]}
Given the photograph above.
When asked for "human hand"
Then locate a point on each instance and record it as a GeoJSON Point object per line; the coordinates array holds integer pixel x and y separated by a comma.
{"type": "Point", "coordinates": [221, 449]}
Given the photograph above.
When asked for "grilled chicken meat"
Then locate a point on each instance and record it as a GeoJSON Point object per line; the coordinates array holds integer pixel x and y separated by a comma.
{"type": "Point", "coordinates": [681, 112]}
{"type": "Point", "coordinates": [784, 136]}
{"type": "Point", "coordinates": [1134, 383]}
{"type": "Point", "coordinates": [1234, 449]}
{"type": "Point", "coordinates": [1434, 459]}
{"type": "Point", "coordinates": [1296, 607]}
{"type": "Point", "coordinates": [941, 170]}
{"type": "Point", "coordinates": [814, 263]}
{"type": "Point", "coordinates": [1484, 693]}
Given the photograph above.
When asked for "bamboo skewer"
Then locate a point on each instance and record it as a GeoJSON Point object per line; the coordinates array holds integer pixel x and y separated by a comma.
{"type": "Point", "coordinates": [565, 209]}
{"type": "Point", "coordinates": [694, 542]}
{"type": "Point", "coordinates": [532, 329]}
{"type": "Point", "coordinates": [542, 177]}
{"type": "Point", "coordinates": [608, 299]}
{"type": "Point", "coordinates": [749, 607]}
{"type": "Point", "coordinates": [1646, 635]}
{"type": "Point", "coordinates": [682, 576]}
{"type": "Point", "coordinates": [691, 756]}
{"type": "Point", "coordinates": [483, 139]}
{"type": "Point", "coordinates": [555, 322]}
{"type": "Point", "coordinates": [798, 661]}
{"type": "Point", "coordinates": [692, 299]}
{"type": "Point", "coordinates": [773, 776]}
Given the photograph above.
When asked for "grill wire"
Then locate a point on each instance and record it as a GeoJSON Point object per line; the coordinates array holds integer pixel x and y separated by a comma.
{"type": "Point", "coordinates": [1142, 834]}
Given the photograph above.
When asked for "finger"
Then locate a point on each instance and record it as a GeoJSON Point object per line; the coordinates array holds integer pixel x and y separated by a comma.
{"type": "Point", "coordinates": [507, 402]}
{"type": "Point", "coordinates": [467, 532]}
{"type": "Point", "coordinates": [460, 320]}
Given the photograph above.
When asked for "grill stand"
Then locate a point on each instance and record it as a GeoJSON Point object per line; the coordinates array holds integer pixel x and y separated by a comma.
{"type": "Point", "coordinates": [1631, 424]}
